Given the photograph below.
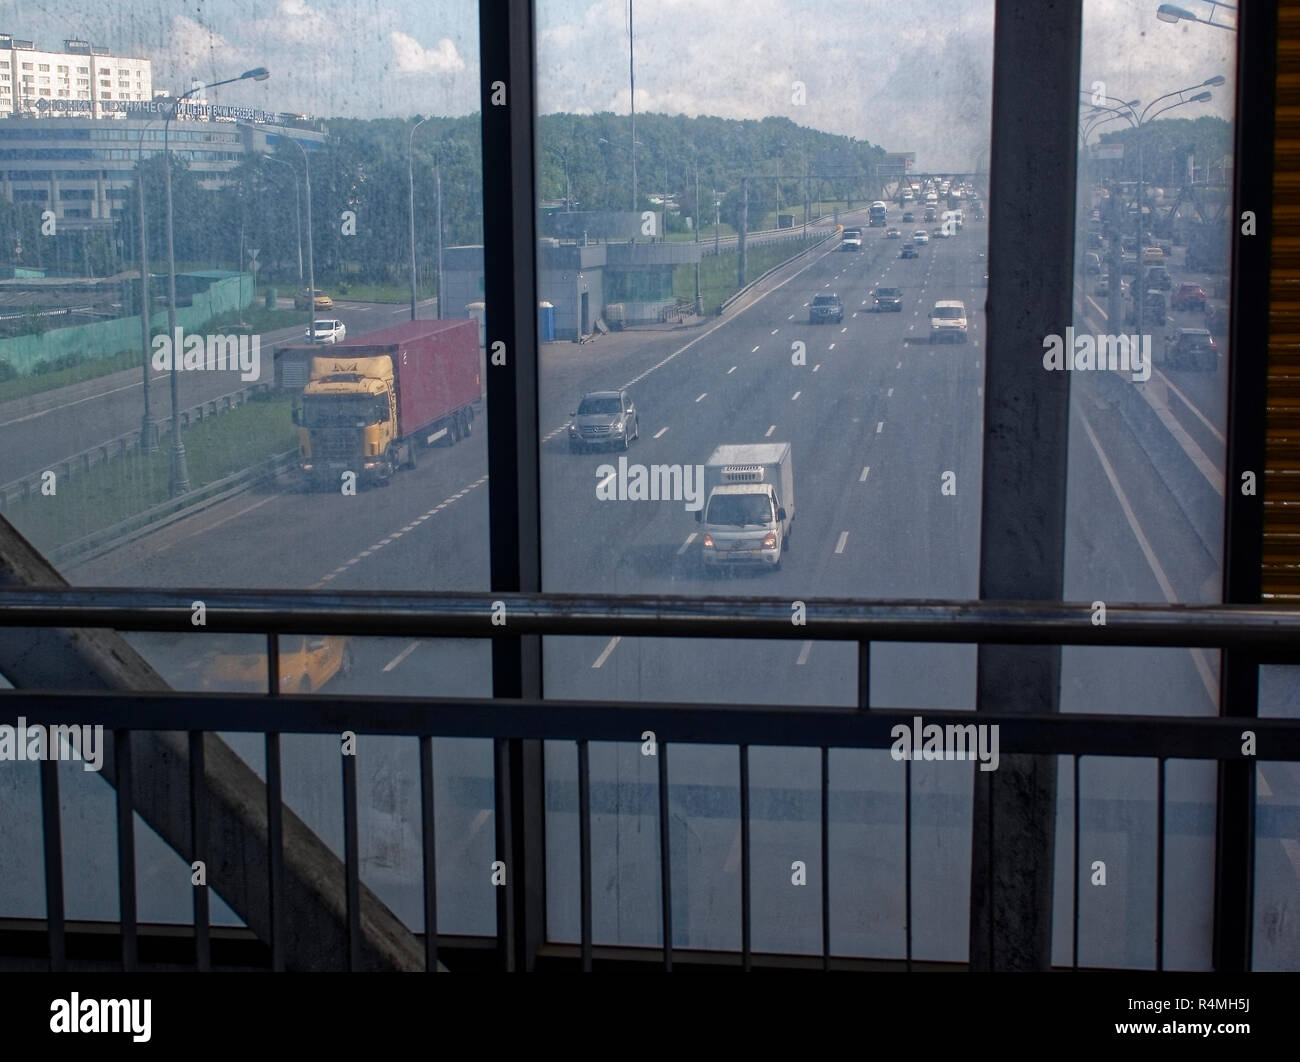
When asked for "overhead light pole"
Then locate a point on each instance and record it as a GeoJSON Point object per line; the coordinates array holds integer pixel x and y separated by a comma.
{"type": "Point", "coordinates": [311, 257]}
{"type": "Point", "coordinates": [180, 473]}
{"type": "Point", "coordinates": [297, 207]}
{"type": "Point", "coordinates": [148, 427]}
{"type": "Point", "coordinates": [1172, 13]}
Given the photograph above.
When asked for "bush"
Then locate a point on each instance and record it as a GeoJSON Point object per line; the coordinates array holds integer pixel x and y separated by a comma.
{"type": "Point", "coordinates": [7, 372]}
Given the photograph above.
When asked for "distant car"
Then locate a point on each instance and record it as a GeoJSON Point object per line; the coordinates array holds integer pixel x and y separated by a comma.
{"type": "Point", "coordinates": [1103, 284]}
{"type": "Point", "coordinates": [327, 331]}
{"type": "Point", "coordinates": [826, 308]}
{"type": "Point", "coordinates": [888, 300]}
{"type": "Point", "coordinates": [1152, 254]}
{"type": "Point", "coordinates": [929, 213]}
{"type": "Point", "coordinates": [1158, 277]}
{"type": "Point", "coordinates": [851, 240]}
{"type": "Point", "coordinates": [1188, 297]}
{"type": "Point", "coordinates": [303, 301]}
{"type": "Point", "coordinates": [603, 418]}
{"type": "Point", "coordinates": [908, 217]}
{"type": "Point", "coordinates": [1092, 263]}
{"type": "Point", "coordinates": [1128, 265]}
{"type": "Point", "coordinates": [948, 321]}
{"type": "Point", "coordinates": [1191, 348]}
{"type": "Point", "coordinates": [940, 232]}
{"type": "Point", "coordinates": [909, 250]}
{"type": "Point", "coordinates": [306, 664]}
{"type": "Point", "coordinates": [920, 236]}
{"type": "Point", "coordinates": [1153, 309]}
{"type": "Point", "coordinates": [893, 234]}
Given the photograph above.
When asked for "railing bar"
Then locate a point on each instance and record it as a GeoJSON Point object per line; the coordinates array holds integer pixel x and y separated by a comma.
{"type": "Point", "coordinates": [352, 860]}
{"type": "Point", "coordinates": [52, 832]}
{"type": "Point", "coordinates": [126, 890]}
{"type": "Point", "coordinates": [584, 849]}
{"type": "Point", "coordinates": [427, 823]}
{"type": "Point", "coordinates": [665, 862]}
{"type": "Point", "coordinates": [907, 860]}
{"type": "Point", "coordinates": [1074, 945]}
{"type": "Point", "coordinates": [746, 913]}
{"type": "Point", "coordinates": [273, 664]}
{"type": "Point", "coordinates": [826, 859]}
{"type": "Point", "coordinates": [199, 841]}
{"type": "Point", "coordinates": [1160, 864]}
{"type": "Point", "coordinates": [275, 847]}
{"type": "Point", "coordinates": [864, 675]}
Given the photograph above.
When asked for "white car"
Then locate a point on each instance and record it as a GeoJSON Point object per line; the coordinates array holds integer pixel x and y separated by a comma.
{"type": "Point", "coordinates": [920, 236]}
{"type": "Point", "coordinates": [327, 331]}
{"type": "Point", "coordinates": [948, 321]}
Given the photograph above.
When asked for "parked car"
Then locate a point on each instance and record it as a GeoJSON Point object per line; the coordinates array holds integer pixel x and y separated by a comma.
{"type": "Point", "coordinates": [603, 418]}
{"type": "Point", "coordinates": [888, 300]}
{"type": "Point", "coordinates": [826, 308]}
{"type": "Point", "coordinates": [327, 330]}
{"type": "Point", "coordinates": [1188, 297]}
{"type": "Point", "coordinates": [303, 301]}
{"type": "Point", "coordinates": [1191, 348]}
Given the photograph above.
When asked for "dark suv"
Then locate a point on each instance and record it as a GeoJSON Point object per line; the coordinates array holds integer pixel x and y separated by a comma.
{"type": "Point", "coordinates": [603, 418]}
{"type": "Point", "coordinates": [1192, 348]}
{"type": "Point", "coordinates": [888, 299]}
{"type": "Point", "coordinates": [826, 308]}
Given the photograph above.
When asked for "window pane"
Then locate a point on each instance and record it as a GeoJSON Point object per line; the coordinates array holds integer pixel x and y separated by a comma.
{"type": "Point", "coordinates": [783, 382]}
{"type": "Point", "coordinates": [329, 440]}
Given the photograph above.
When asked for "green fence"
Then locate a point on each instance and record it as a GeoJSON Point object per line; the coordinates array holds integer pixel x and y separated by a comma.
{"type": "Point", "coordinates": [102, 338]}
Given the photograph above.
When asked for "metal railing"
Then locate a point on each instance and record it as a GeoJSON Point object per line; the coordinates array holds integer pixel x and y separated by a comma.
{"type": "Point", "coordinates": [1270, 634]}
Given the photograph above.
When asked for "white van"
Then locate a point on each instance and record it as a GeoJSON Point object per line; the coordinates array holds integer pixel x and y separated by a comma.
{"type": "Point", "coordinates": [948, 321]}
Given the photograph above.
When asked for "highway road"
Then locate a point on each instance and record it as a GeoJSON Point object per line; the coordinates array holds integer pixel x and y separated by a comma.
{"type": "Point", "coordinates": [875, 418]}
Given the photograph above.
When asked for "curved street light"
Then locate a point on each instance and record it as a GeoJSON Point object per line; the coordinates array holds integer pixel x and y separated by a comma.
{"type": "Point", "coordinates": [180, 473]}
{"type": "Point", "coordinates": [1173, 13]}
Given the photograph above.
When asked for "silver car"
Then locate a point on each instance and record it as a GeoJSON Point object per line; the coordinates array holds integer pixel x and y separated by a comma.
{"type": "Point", "coordinates": [603, 419]}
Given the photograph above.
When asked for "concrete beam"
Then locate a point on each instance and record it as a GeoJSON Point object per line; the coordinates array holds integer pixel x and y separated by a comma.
{"type": "Point", "coordinates": [314, 904]}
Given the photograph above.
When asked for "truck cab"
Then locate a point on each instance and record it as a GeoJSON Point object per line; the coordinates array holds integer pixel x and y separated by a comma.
{"type": "Point", "coordinates": [750, 505]}
{"type": "Point", "coordinates": [348, 419]}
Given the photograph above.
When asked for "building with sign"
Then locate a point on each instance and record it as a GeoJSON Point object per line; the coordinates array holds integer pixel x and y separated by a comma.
{"type": "Point", "coordinates": [32, 81]}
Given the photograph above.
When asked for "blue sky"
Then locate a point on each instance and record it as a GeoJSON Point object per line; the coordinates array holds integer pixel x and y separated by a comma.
{"type": "Point", "coordinates": [912, 77]}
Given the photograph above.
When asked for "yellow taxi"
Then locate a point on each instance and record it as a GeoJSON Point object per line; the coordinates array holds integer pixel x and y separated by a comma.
{"type": "Point", "coordinates": [302, 301]}
{"type": "Point", "coordinates": [306, 664]}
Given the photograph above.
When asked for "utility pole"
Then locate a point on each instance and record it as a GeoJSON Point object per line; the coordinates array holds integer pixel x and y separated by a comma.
{"type": "Point", "coordinates": [744, 226]}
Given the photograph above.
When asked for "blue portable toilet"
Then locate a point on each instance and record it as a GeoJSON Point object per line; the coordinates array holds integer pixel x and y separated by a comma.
{"type": "Point", "coordinates": [546, 322]}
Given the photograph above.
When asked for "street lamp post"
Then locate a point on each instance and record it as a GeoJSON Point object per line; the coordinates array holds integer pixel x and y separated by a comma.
{"type": "Point", "coordinates": [297, 209]}
{"type": "Point", "coordinates": [148, 429]}
{"type": "Point", "coordinates": [410, 182]}
{"type": "Point", "coordinates": [1172, 13]}
{"type": "Point", "coordinates": [311, 257]}
{"type": "Point", "coordinates": [180, 473]}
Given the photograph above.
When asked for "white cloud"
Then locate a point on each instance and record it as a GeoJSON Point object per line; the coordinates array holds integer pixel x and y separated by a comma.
{"type": "Point", "coordinates": [412, 57]}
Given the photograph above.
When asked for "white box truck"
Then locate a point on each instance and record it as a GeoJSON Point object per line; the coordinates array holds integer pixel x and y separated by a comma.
{"type": "Point", "coordinates": [750, 504]}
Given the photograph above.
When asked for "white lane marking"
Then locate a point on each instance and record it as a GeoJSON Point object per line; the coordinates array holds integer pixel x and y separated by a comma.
{"type": "Point", "coordinates": [863, 478]}
{"type": "Point", "coordinates": [731, 370]}
{"type": "Point", "coordinates": [703, 395]}
{"type": "Point", "coordinates": [839, 546]}
{"type": "Point", "coordinates": [660, 431]}
{"type": "Point", "coordinates": [400, 657]}
{"type": "Point", "coordinates": [890, 394]}
{"type": "Point", "coordinates": [687, 544]}
{"type": "Point", "coordinates": [1166, 588]}
{"type": "Point", "coordinates": [980, 391]}
{"type": "Point", "coordinates": [790, 317]}
{"type": "Point", "coordinates": [899, 365]}
{"type": "Point", "coordinates": [1198, 457]}
{"type": "Point", "coordinates": [224, 520]}
{"type": "Point", "coordinates": [1263, 788]}
{"type": "Point", "coordinates": [398, 534]}
{"type": "Point", "coordinates": [880, 426]}
{"type": "Point", "coordinates": [794, 396]}
{"type": "Point", "coordinates": [78, 401]}
{"type": "Point", "coordinates": [600, 660]}
{"type": "Point", "coordinates": [1188, 403]}
{"type": "Point", "coordinates": [804, 650]}
{"type": "Point", "coordinates": [831, 347]}
{"type": "Point", "coordinates": [775, 331]}
{"type": "Point", "coordinates": [601, 485]}
{"type": "Point", "coordinates": [768, 434]}
{"type": "Point", "coordinates": [817, 366]}
{"type": "Point", "coordinates": [754, 351]}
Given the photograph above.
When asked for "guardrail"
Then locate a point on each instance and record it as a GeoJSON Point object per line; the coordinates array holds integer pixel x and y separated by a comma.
{"type": "Point", "coordinates": [780, 265]}
{"type": "Point", "coordinates": [120, 445]}
{"type": "Point", "coordinates": [513, 720]}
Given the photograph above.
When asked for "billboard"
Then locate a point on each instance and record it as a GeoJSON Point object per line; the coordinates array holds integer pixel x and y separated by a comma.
{"type": "Point", "coordinates": [897, 163]}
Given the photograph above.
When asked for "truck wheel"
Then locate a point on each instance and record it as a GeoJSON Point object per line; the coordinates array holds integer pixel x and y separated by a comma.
{"type": "Point", "coordinates": [466, 418]}
{"type": "Point", "coordinates": [453, 431]}
{"type": "Point", "coordinates": [411, 448]}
